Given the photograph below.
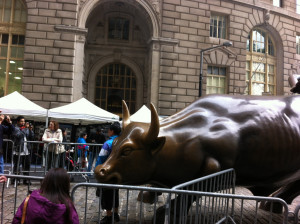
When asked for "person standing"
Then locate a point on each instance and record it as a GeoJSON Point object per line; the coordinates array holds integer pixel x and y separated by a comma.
{"type": "Point", "coordinates": [82, 149]}
{"type": "Point", "coordinates": [21, 152]}
{"type": "Point", "coordinates": [63, 149]}
{"type": "Point", "coordinates": [97, 138]}
{"type": "Point", "coordinates": [51, 203]}
{"type": "Point", "coordinates": [7, 128]}
{"type": "Point", "coordinates": [108, 195]}
{"type": "Point", "coordinates": [52, 135]}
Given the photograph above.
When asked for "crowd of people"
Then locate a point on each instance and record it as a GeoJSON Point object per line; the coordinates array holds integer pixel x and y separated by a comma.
{"type": "Point", "coordinates": [53, 154]}
{"type": "Point", "coordinates": [54, 192]}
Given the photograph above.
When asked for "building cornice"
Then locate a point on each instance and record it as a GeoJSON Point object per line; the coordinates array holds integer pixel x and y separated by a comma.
{"type": "Point", "coordinates": [268, 7]}
{"type": "Point", "coordinates": [163, 41]}
{"type": "Point", "coordinates": [71, 29]}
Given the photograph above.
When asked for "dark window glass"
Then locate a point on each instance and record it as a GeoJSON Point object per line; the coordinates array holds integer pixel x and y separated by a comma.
{"type": "Point", "coordinates": [4, 38]}
{"type": "Point", "coordinates": [118, 28]}
{"type": "Point", "coordinates": [121, 84]}
{"type": "Point", "coordinates": [15, 39]}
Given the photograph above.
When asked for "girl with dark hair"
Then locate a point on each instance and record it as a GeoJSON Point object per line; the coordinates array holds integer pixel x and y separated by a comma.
{"type": "Point", "coordinates": [50, 204]}
{"type": "Point", "coordinates": [83, 150]}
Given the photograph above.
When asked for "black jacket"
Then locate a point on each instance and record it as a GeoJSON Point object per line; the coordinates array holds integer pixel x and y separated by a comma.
{"type": "Point", "coordinates": [18, 138]}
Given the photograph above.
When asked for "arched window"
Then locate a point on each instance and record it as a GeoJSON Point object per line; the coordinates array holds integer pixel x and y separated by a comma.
{"type": "Point", "coordinates": [260, 64]}
{"type": "Point", "coordinates": [12, 36]}
{"type": "Point", "coordinates": [114, 83]}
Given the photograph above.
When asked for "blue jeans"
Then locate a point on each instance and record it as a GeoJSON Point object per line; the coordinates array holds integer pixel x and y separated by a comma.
{"type": "Point", "coordinates": [92, 156]}
{"type": "Point", "coordinates": [1, 164]}
{"type": "Point", "coordinates": [80, 154]}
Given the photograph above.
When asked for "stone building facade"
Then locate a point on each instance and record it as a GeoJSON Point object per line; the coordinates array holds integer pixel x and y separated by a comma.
{"type": "Point", "coordinates": [150, 50]}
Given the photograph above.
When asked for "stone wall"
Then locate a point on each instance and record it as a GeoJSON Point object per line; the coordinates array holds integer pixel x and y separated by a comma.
{"type": "Point", "coordinates": [189, 21]}
{"type": "Point", "coordinates": [49, 54]}
{"type": "Point", "coordinates": [51, 79]}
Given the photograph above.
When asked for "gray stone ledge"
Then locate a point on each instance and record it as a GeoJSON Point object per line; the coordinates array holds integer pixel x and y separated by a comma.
{"type": "Point", "coordinates": [71, 29]}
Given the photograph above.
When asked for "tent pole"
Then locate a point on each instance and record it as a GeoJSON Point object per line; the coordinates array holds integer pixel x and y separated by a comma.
{"type": "Point", "coordinates": [47, 119]}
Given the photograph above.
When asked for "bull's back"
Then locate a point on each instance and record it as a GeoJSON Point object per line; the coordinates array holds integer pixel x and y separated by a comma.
{"type": "Point", "coordinates": [264, 132]}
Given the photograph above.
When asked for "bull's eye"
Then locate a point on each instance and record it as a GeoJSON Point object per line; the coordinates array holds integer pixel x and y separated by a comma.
{"type": "Point", "coordinates": [126, 151]}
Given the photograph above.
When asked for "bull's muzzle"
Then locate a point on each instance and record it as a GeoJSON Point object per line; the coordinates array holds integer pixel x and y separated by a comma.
{"type": "Point", "coordinates": [103, 175]}
{"type": "Point", "coordinates": [102, 172]}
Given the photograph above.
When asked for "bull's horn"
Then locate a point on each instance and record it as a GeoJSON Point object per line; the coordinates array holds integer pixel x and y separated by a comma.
{"type": "Point", "coordinates": [126, 115]}
{"type": "Point", "coordinates": [154, 126]}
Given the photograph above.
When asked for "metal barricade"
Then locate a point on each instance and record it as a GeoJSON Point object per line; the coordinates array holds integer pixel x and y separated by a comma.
{"type": "Point", "coordinates": [42, 156]}
{"type": "Point", "coordinates": [8, 146]}
{"type": "Point", "coordinates": [11, 198]}
{"type": "Point", "coordinates": [221, 182]}
{"type": "Point", "coordinates": [206, 208]}
{"type": "Point", "coordinates": [77, 159]}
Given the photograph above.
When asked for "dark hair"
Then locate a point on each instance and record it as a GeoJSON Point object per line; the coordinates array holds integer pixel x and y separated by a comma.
{"type": "Point", "coordinates": [56, 187]}
{"type": "Point", "coordinates": [20, 118]}
{"type": "Point", "coordinates": [63, 130]}
{"type": "Point", "coordinates": [115, 127]}
{"type": "Point", "coordinates": [83, 134]}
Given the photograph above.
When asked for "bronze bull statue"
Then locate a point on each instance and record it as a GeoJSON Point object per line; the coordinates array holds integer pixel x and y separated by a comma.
{"type": "Point", "coordinates": [258, 136]}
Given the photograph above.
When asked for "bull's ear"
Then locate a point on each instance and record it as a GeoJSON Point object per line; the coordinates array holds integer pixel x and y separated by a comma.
{"type": "Point", "coordinates": [157, 145]}
{"type": "Point", "coordinates": [126, 115]}
{"type": "Point", "coordinates": [153, 130]}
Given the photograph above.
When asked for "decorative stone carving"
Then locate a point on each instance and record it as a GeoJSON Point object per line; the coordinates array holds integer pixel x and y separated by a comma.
{"type": "Point", "coordinates": [156, 6]}
{"type": "Point", "coordinates": [266, 16]}
{"type": "Point", "coordinates": [80, 38]}
{"type": "Point", "coordinates": [81, 3]}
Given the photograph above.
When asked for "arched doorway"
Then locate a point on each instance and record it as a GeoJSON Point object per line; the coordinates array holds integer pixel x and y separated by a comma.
{"type": "Point", "coordinates": [121, 32]}
{"type": "Point", "coordinates": [115, 82]}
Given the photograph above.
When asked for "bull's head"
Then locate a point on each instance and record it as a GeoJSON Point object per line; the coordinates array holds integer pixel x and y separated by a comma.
{"type": "Point", "coordinates": [132, 158]}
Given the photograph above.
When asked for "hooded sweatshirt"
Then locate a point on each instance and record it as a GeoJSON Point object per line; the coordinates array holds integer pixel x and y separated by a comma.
{"type": "Point", "coordinates": [41, 210]}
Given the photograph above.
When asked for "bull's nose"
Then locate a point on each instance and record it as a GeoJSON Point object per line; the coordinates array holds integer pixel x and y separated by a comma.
{"type": "Point", "coordinates": [103, 171]}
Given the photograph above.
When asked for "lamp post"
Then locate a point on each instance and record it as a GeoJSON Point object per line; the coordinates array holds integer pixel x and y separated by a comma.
{"type": "Point", "coordinates": [225, 44]}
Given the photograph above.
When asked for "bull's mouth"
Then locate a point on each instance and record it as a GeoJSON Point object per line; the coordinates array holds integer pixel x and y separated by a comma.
{"type": "Point", "coordinates": [113, 178]}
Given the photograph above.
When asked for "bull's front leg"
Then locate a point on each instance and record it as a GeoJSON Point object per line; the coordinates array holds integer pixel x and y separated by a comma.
{"type": "Point", "coordinates": [148, 197]}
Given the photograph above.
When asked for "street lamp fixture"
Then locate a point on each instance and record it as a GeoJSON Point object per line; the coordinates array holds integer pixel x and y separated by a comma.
{"type": "Point", "coordinates": [225, 44]}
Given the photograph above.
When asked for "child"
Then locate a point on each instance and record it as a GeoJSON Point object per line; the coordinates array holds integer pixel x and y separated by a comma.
{"type": "Point", "coordinates": [50, 204]}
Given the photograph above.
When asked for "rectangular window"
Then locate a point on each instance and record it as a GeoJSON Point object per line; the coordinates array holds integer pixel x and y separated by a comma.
{"type": "Point", "coordinates": [277, 3]}
{"type": "Point", "coordinates": [216, 80]}
{"type": "Point", "coordinates": [271, 79]}
{"type": "Point", "coordinates": [218, 26]}
{"type": "Point", "coordinates": [118, 28]}
{"type": "Point", "coordinates": [298, 44]}
{"type": "Point", "coordinates": [258, 37]}
{"type": "Point", "coordinates": [298, 6]}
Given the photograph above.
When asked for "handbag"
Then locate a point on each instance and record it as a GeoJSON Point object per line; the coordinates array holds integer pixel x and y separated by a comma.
{"type": "Point", "coordinates": [61, 148]}
{"type": "Point", "coordinates": [24, 209]}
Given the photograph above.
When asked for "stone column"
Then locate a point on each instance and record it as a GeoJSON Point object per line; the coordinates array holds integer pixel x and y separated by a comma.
{"type": "Point", "coordinates": [78, 78]}
{"type": "Point", "coordinates": [154, 73]}
{"type": "Point", "coordinates": [154, 76]}
{"type": "Point", "coordinates": [78, 73]}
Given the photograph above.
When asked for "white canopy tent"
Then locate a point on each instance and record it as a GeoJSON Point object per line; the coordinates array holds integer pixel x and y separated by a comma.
{"type": "Point", "coordinates": [82, 112]}
{"type": "Point", "coordinates": [142, 115]}
{"type": "Point", "coordinates": [16, 104]}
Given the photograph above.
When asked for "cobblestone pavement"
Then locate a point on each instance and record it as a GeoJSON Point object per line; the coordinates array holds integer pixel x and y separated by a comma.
{"type": "Point", "coordinates": [134, 207]}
